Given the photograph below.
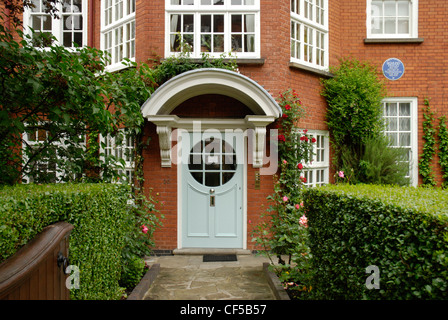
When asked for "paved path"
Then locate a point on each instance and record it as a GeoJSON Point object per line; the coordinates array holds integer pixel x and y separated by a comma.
{"type": "Point", "coordinates": [187, 277]}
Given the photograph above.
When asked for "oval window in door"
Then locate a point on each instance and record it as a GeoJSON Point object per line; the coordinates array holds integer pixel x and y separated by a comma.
{"type": "Point", "coordinates": [212, 162]}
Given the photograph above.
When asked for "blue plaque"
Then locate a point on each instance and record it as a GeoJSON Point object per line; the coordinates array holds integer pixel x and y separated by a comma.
{"type": "Point", "coordinates": [393, 69]}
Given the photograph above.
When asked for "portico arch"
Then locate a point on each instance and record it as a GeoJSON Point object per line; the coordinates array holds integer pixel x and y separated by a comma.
{"type": "Point", "coordinates": [158, 108]}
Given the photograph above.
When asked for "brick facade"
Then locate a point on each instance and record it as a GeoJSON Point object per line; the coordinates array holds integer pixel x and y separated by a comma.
{"type": "Point", "coordinates": [425, 77]}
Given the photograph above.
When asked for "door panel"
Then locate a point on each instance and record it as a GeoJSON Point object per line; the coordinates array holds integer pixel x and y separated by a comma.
{"type": "Point", "coordinates": [198, 209]}
{"type": "Point", "coordinates": [212, 195]}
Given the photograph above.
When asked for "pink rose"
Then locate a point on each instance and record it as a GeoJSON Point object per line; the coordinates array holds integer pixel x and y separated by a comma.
{"type": "Point", "coordinates": [144, 229]}
{"type": "Point", "coordinates": [285, 198]}
{"type": "Point", "coordinates": [304, 221]}
{"type": "Point", "coordinates": [341, 174]}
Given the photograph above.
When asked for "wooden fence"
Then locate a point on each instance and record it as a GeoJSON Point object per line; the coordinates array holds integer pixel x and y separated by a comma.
{"type": "Point", "coordinates": [36, 271]}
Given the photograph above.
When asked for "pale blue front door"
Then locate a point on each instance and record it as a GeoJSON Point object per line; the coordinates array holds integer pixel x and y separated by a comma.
{"type": "Point", "coordinates": [212, 190]}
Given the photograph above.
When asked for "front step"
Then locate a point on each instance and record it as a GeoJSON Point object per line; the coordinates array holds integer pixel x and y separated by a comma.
{"type": "Point", "coordinates": [202, 251]}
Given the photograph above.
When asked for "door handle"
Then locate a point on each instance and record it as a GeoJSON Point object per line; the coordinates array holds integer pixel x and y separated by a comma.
{"type": "Point", "coordinates": [212, 201]}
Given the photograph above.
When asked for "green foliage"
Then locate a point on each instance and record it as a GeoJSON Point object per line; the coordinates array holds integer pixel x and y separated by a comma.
{"type": "Point", "coordinates": [443, 150]}
{"type": "Point", "coordinates": [102, 219]}
{"type": "Point", "coordinates": [69, 96]}
{"type": "Point", "coordinates": [354, 111]}
{"type": "Point", "coordinates": [284, 232]}
{"type": "Point", "coordinates": [380, 163]}
{"type": "Point", "coordinates": [429, 148]}
{"type": "Point", "coordinates": [401, 230]}
{"type": "Point", "coordinates": [132, 272]}
{"type": "Point", "coordinates": [175, 65]}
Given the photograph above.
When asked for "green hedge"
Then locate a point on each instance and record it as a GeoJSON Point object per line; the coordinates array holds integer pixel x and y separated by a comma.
{"type": "Point", "coordinates": [403, 231]}
{"type": "Point", "coordinates": [98, 213]}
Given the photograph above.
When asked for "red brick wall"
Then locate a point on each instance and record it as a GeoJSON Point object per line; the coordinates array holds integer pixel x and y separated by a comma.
{"type": "Point", "coordinates": [425, 63]}
{"type": "Point", "coordinates": [424, 77]}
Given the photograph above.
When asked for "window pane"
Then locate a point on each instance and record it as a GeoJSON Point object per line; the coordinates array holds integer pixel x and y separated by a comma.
{"type": "Point", "coordinates": [405, 124]}
{"type": "Point", "coordinates": [175, 23]}
{"type": "Point", "coordinates": [237, 23]}
{"type": "Point", "coordinates": [393, 139]}
{"type": "Point", "coordinates": [405, 139]}
{"type": "Point", "coordinates": [206, 23]}
{"type": "Point", "coordinates": [392, 124]}
{"type": "Point", "coordinates": [212, 179]}
{"type": "Point", "coordinates": [390, 9]}
{"type": "Point", "coordinates": [237, 43]}
{"type": "Point", "coordinates": [389, 25]}
{"type": "Point", "coordinates": [188, 25]}
{"type": "Point", "coordinates": [403, 8]}
{"type": "Point", "coordinates": [391, 109]}
{"type": "Point", "coordinates": [377, 9]}
{"type": "Point", "coordinates": [218, 23]}
{"type": "Point", "coordinates": [249, 23]}
{"type": "Point", "coordinates": [403, 25]}
{"type": "Point", "coordinates": [249, 43]}
{"type": "Point", "coordinates": [218, 43]}
{"type": "Point", "coordinates": [405, 109]}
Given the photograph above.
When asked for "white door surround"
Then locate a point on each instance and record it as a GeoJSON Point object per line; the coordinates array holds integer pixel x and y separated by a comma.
{"type": "Point", "coordinates": [157, 109]}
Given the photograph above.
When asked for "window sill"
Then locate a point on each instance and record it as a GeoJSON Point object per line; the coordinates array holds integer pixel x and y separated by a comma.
{"type": "Point", "coordinates": [393, 40]}
{"type": "Point", "coordinates": [319, 72]}
{"type": "Point", "coordinates": [239, 61]}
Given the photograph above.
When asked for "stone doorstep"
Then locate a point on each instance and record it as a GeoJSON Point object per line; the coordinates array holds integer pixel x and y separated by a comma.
{"type": "Point", "coordinates": [202, 251]}
{"type": "Point", "coordinates": [140, 290]}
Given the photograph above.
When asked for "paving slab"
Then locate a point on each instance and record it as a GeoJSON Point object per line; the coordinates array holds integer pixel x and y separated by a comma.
{"type": "Point", "coordinates": [187, 277]}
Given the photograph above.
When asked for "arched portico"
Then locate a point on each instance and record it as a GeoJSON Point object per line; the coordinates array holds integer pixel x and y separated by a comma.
{"type": "Point", "coordinates": [158, 108]}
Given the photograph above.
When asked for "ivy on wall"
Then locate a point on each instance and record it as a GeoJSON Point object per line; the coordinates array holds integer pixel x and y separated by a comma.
{"type": "Point", "coordinates": [443, 150]}
{"type": "Point", "coordinates": [429, 148]}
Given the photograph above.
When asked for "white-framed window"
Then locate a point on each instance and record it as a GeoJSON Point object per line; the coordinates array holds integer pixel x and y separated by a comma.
{"type": "Point", "coordinates": [392, 19]}
{"type": "Point", "coordinates": [122, 150]}
{"type": "Point", "coordinates": [316, 172]}
{"type": "Point", "coordinates": [309, 33]}
{"type": "Point", "coordinates": [118, 31]}
{"type": "Point", "coordinates": [213, 26]}
{"type": "Point", "coordinates": [401, 119]}
{"type": "Point", "coordinates": [50, 165]}
{"type": "Point", "coordinates": [69, 27]}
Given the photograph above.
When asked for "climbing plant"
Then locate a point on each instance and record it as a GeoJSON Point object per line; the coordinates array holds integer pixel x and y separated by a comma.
{"type": "Point", "coordinates": [443, 150]}
{"type": "Point", "coordinates": [284, 231]}
{"type": "Point", "coordinates": [429, 147]}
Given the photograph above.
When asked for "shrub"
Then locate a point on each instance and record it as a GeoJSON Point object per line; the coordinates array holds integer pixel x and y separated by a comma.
{"type": "Point", "coordinates": [97, 211]}
{"type": "Point", "coordinates": [401, 230]}
{"type": "Point", "coordinates": [379, 163]}
{"type": "Point", "coordinates": [132, 272]}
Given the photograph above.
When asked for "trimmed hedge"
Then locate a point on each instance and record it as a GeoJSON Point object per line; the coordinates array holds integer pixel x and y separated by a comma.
{"type": "Point", "coordinates": [98, 213]}
{"type": "Point", "coordinates": [401, 230]}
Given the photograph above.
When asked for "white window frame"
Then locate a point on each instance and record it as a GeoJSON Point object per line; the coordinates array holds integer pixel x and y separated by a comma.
{"type": "Point", "coordinates": [317, 170]}
{"type": "Point", "coordinates": [108, 146]}
{"type": "Point", "coordinates": [305, 21]}
{"type": "Point", "coordinates": [227, 9]}
{"type": "Point", "coordinates": [58, 24]}
{"type": "Point", "coordinates": [413, 162]}
{"type": "Point", "coordinates": [413, 23]}
{"type": "Point", "coordinates": [118, 32]}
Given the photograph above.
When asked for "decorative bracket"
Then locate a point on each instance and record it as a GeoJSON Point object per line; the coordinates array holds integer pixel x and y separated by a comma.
{"type": "Point", "coordinates": [258, 123]}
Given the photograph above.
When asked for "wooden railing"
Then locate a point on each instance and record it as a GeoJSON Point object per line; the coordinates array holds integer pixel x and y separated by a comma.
{"type": "Point", "coordinates": [36, 271]}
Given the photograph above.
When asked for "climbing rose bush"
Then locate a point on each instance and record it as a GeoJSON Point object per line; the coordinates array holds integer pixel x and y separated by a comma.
{"type": "Point", "coordinates": [285, 232]}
